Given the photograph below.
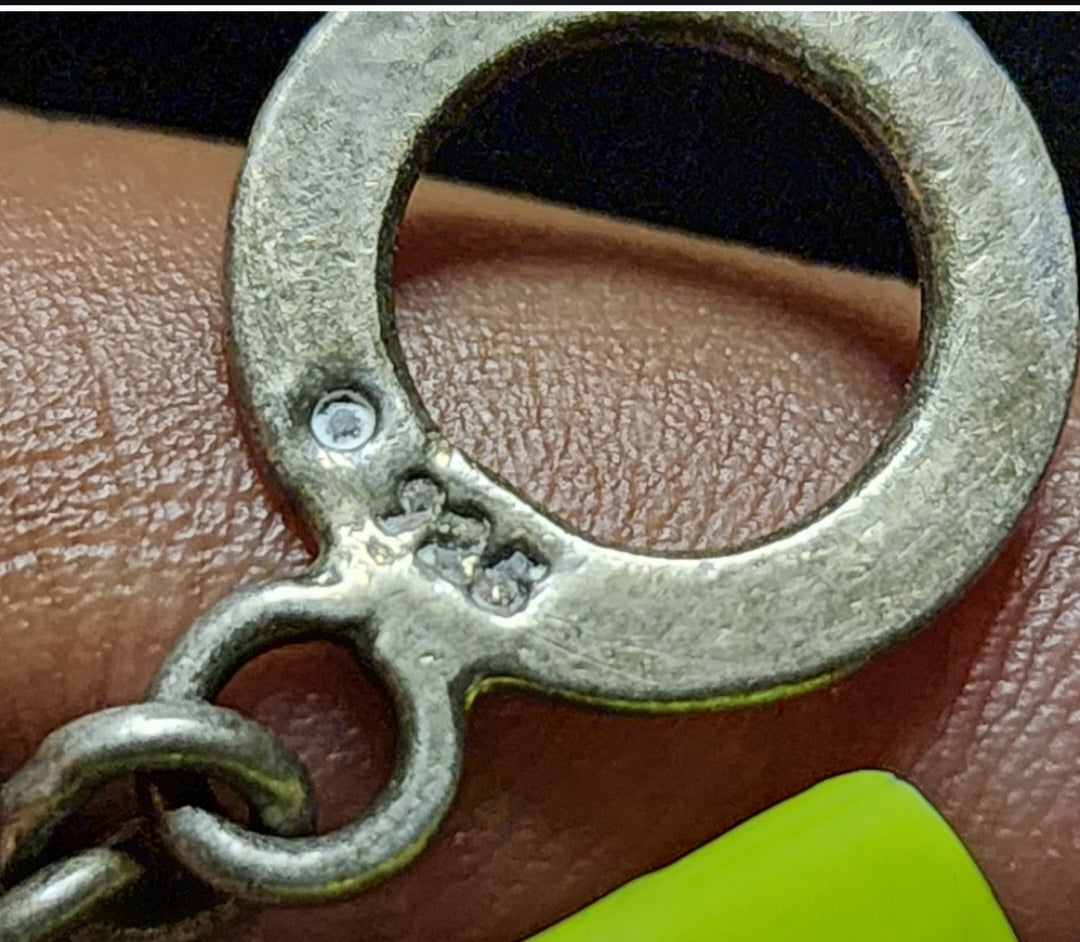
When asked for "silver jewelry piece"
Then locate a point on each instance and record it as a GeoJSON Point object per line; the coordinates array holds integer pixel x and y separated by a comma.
{"type": "Point", "coordinates": [447, 581]}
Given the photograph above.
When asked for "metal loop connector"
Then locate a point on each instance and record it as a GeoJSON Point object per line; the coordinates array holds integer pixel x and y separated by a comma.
{"type": "Point", "coordinates": [429, 703]}
{"type": "Point", "coordinates": [64, 895]}
{"type": "Point", "coordinates": [79, 758]}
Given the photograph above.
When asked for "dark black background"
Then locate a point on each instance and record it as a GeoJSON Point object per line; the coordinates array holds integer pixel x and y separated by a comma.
{"type": "Point", "coordinates": [674, 137]}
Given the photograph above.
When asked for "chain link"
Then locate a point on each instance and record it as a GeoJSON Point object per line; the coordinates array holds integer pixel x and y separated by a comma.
{"type": "Point", "coordinates": [63, 895]}
{"type": "Point", "coordinates": [86, 754]}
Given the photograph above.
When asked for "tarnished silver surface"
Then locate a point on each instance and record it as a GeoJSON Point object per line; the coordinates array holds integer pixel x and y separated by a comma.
{"type": "Point", "coordinates": [448, 580]}
{"type": "Point", "coordinates": [430, 712]}
{"type": "Point", "coordinates": [79, 758]}
{"type": "Point", "coordinates": [62, 896]}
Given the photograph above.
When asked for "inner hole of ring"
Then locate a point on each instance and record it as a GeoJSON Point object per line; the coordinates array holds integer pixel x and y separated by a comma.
{"type": "Point", "coordinates": [333, 711]}
{"type": "Point", "coordinates": [667, 295]}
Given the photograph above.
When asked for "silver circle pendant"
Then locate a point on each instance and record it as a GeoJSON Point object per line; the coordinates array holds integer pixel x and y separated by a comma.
{"type": "Point", "coordinates": [446, 579]}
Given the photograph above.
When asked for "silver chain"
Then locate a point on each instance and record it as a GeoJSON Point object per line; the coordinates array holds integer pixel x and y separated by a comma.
{"type": "Point", "coordinates": [86, 754]}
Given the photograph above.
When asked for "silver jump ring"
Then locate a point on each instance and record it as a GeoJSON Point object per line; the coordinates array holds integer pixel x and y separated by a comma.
{"type": "Point", "coordinates": [430, 717]}
{"type": "Point", "coordinates": [63, 896]}
{"type": "Point", "coordinates": [449, 579]}
{"type": "Point", "coordinates": [77, 759]}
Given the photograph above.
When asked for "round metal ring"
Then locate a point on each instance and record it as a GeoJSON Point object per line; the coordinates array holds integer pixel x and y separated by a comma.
{"type": "Point", "coordinates": [465, 582]}
{"type": "Point", "coordinates": [329, 168]}
{"type": "Point", "coordinates": [430, 716]}
{"type": "Point", "coordinates": [64, 895]}
{"type": "Point", "coordinates": [76, 760]}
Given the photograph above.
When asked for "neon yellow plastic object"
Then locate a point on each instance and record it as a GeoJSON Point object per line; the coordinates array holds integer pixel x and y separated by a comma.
{"type": "Point", "coordinates": [859, 858]}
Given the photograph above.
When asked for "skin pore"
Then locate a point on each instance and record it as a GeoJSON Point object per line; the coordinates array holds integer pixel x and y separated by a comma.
{"type": "Point", "coordinates": [653, 389]}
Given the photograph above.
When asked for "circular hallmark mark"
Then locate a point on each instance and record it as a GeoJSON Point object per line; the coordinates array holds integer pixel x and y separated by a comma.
{"type": "Point", "coordinates": [343, 420]}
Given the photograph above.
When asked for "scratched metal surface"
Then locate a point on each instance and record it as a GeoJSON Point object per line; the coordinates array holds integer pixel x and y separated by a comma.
{"type": "Point", "coordinates": [444, 577]}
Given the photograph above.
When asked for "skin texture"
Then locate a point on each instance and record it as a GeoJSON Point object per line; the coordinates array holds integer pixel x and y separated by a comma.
{"type": "Point", "coordinates": [653, 389]}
